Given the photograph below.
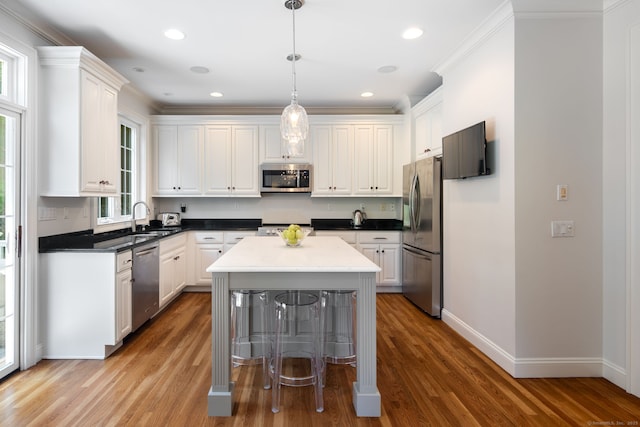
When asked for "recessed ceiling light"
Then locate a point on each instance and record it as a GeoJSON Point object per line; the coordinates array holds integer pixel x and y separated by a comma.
{"type": "Point", "coordinates": [138, 69]}
{"type": "Point", "coordinates": [366, 94]}
{"type": "Point", "coordinates": [216, 94]}
{"type": "Point", "coordinates": [387, 69]}
{"type": "Point", "coordinates": [167, 94]}
{"type": "Point", "coordinates": [412, 33]}
{"type": "Point", "coordinates": [199, 70]}
{"type": "Point", "coordinates": [174, 34]}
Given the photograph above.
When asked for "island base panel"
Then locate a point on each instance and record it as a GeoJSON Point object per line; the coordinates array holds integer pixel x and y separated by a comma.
{"type": "Point", "coordinates": [220, 403]}
{"type": "Point", "coordinates": [366, 404]}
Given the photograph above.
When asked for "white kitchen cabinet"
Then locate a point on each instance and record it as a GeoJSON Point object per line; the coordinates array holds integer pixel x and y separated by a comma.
{"type": "Point", "coordinates": [273, 149]}
{"type": "Point", "coordinates": [78, 123]}
{"type": "Point", "coordinates": [332, 159]}
{"type": "Point", "coordinates": [178, 159]}
{"type": "Point", "coordinates": [426, 117]}
{"type": "Point", "coordinates": [233, 237]}
{"type": "Point", "coordinates": [86, 303]}
{"type": "Point", "coordinates": [173, 267]}
{"type": "Point", "coordinates": [123, 294]}
{"type": "Point", "coordinates": [348, 236]}
{"type": "Point", "coordinates": [231, 161]}
{"type": "Point", "coordinates": [373, 160]}
{"type": "Point", "coordinates": [383, 248]}
{"type": "Point", "coordinates": [207, 247]}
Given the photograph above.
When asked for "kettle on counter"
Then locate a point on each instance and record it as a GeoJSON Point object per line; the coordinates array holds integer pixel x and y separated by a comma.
{"type": "Point", "coordinates": [359, 218]}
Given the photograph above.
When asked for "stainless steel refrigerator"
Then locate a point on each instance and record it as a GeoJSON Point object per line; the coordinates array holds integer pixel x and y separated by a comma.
{"type": "Point", "coordinates": [422, 234]}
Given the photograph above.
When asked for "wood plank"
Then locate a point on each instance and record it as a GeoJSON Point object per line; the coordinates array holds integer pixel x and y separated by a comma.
{"type": "Point", "coordinates": [427, 375]}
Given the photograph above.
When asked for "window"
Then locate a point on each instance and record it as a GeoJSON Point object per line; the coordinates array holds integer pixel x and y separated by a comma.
{"type": "Point", "coordinates": [113, 209]}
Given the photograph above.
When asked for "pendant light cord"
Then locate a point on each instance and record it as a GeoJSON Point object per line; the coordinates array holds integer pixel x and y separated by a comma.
{"type": "Point", "coordinates": [294, 95]}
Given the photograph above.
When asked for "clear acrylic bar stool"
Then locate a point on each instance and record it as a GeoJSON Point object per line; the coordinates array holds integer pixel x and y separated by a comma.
{"type": "Point", "coordinates": [250, 343]}
{"type": "Point", "coordinates": [298, 335]}
{"type": "Point", "coordinates": [340, 327]}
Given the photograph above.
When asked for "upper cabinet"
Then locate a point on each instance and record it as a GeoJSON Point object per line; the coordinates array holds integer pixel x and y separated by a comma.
{"type": "Point", "coordinates": [273, 149]}
{"type": "Point", "coordinates": [220, 156]}
{"type": "Point", "coordinates": [178, 159]}
{"type": "Point", "coordinates": [426, 117]}
{"type": "Point", "coordinates": [231, 160]}
{"type": "Point", "coordinates": [373, 169]}
{"type": "Point", "coordinates": [80, 148]}
{"type": "Point", "coordinates": [332, 159]}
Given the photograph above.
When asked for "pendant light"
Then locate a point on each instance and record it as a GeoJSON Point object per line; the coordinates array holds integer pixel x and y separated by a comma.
{"type": "Point", "coordinates": [294, 123]}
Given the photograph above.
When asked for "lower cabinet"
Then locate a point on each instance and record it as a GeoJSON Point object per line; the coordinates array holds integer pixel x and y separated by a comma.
{"type": "Point", "coordinates": [381, 247]}
{"type": "Point", "coordinates": [208, 246]}
{"type": "Point", "coordinates": [86, 303]}
{"type": "Point", "coordinates": [123, 295]}
{"type": "Point", "coordinates": [173, 267]}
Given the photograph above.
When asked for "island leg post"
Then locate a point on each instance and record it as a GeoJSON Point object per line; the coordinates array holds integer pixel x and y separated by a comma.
{"type": "Point", "coordinates": [366, 397]}
{"type": "Point", "coordinates": [220, 398]}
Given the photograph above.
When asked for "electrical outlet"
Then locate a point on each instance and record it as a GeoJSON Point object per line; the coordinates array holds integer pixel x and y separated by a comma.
{"type": "Point", "coordinates": [383, 207]}
{"type": "Point", "coordinates": [562, 192]}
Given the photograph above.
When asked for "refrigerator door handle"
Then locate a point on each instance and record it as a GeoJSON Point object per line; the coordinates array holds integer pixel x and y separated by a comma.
{"type": "Point", "coordinates": [416, 253]}
{"type": "Point", "coordinates": [416, 204]}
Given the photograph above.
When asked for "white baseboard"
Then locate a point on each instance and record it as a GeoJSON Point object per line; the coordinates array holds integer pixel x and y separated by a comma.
{"type": "Point", "coordinates": [534, 367]}
{"type": "Point", "coordinates": [614, 373]}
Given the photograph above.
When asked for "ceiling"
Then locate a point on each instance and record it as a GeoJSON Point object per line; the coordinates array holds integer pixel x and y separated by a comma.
{"type": "Point", "coordinates": [244, 45]}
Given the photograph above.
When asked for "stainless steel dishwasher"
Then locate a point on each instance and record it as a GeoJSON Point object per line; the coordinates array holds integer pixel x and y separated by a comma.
{"type": "Point", "coordinates": [146, 283]}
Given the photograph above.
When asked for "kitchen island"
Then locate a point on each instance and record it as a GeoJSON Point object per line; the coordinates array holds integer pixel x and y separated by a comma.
{"type": "Point", "coordinates": [321, 263]}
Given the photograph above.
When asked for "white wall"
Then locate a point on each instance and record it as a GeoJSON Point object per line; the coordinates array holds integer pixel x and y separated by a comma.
{"type": "Point", "coordinates": [618, 147]}
{"type": "Point", "coordinates": [479, 246]}
{"type": "Point", "coordinates": [558, 141]}
{"type": "Point", "coordinates": [530, 302]}
{"type": "Point", "coordinates": [281, 208]}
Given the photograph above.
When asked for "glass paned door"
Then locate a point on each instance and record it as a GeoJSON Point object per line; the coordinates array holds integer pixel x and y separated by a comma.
{"type": "Point", "coordinates": [9, 137]}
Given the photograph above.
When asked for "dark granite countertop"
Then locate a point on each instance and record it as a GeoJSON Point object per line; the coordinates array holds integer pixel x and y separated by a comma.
{"type": "Point", "coordinates": [347, 224]}
{"type": "Point", "coordinates": [119, 240]}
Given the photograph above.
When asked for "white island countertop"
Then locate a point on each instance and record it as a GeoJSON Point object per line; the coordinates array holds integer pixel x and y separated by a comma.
{"type": "Point", "coordinates": [317, 254]}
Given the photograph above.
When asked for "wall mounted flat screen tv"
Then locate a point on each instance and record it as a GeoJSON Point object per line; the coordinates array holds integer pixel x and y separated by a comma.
{"type": "Point", "coordinates": [464, 153]}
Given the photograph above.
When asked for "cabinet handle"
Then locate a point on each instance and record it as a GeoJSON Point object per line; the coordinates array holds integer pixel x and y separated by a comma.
{"type": "Point", "coordinates": [219, 251]}
{"type": "Point", "coordinates": [426, 150]}
{"type": "Point", "coordinates": [228, 188]}
{"type": "Point", "coordinates": [371, 188]}
{"type": "Point", "coordinates": [379, 238]}
{"type": "Point", "coordinates": [382, 251]}
{"type": "Point", "coordinates": [177, 257]}
{"type": "Point", "coordinates": [209, 238]}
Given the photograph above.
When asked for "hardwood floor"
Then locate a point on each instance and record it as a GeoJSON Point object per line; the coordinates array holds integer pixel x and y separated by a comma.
{"type": "Point", "coordinates": [427, 375]}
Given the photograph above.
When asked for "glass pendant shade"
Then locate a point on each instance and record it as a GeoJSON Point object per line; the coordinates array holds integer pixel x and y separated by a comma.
{"type": "Point", "coordinates": [294, 126]}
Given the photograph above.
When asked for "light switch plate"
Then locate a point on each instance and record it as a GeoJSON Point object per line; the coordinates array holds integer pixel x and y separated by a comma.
{"type": "Point", "coordinates": [562, 228]}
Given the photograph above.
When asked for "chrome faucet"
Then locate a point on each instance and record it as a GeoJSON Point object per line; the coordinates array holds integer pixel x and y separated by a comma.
{"type": "Point", "coordinates": [133, 214]}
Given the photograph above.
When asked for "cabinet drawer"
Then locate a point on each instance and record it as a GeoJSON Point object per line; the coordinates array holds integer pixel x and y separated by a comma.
{"type": "Point", "coordinates": [170, 243]}
{"type": "Point", "coordinates": [233, 237]}
{"type": "Point", "coordinates": [378, 237]}
{"type": "Point", "coordinates": [123, 261]}
{"type": "Point", "coordinates": [209, 237]}
{"type": "Point", "coordinates": [347, 236]}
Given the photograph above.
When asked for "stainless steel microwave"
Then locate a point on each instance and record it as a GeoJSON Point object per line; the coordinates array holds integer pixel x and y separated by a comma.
{"type": "Point", "coordinates": [285, 178]}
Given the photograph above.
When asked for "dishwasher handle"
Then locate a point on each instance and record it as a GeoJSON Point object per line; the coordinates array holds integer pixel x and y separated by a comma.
{"type": "Point", "coordinates": [146, 251]}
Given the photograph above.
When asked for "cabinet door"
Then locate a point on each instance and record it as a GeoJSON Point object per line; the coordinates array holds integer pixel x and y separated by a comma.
{"type": "Point", "coordinates": [206, 255]}
{"type": "Point", "coordinates": [342, 158]}
{"type": "Point", "coordinates": [123, 304]}
{"type": "Point", "coordinates": [364, 160]}
{"type": "Point", "coordinates": [383, 159]}
{"type": "Point", "coordinates": [244, 159]}
{"type": "Point", "coordinates": [373, 159]}
{"type": "Point", "coordinates": [189, 159]}
{"type": "Point", "coordinates": [167, 267]}
{"type": "Point", "coordinates": [390, 264]}
{"type": "Point", "coordinates": [99, 136]}
{"type": "Point", "coordinates": [180, 269]}
{"type": "Point", "coordinates": [166, 152]}
{"type": "Point", "coordinates": [273, 148]}
{"type": "Point", "coordinates": [217, 157]}
{"type": "Point", "coordinates": [321, 137]}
